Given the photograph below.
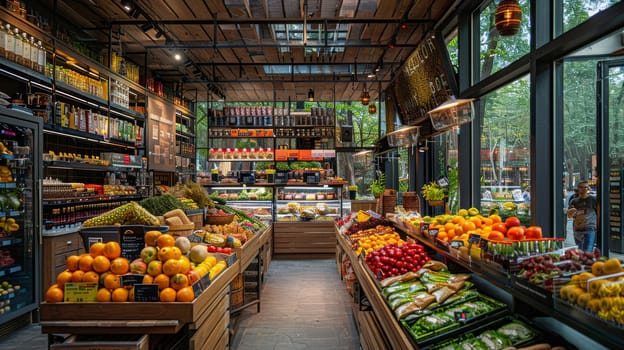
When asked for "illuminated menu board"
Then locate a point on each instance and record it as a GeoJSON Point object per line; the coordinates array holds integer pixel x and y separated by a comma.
{"type": "Point", "coordinates": [423, 83]}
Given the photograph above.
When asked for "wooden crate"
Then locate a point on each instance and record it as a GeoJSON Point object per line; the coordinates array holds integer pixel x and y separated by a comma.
{"type": "Point", "coordinates": [214, 323]}
{"type": "Point", "coordinates": [363, 205]}
{"type": "Point", "coordinates": [197, 219]}
{"type": "Point", "coordinates": [133, 317]}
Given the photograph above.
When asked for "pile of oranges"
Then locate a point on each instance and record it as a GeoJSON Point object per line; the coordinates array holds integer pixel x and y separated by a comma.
{"type": "Point", "coordinates": [103, 264]}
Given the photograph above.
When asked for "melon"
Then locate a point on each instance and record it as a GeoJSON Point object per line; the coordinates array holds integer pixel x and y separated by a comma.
{"type": "Point", "coordinates": [183, 244]}
{"type": "Point", "coordinates": [198, 253]}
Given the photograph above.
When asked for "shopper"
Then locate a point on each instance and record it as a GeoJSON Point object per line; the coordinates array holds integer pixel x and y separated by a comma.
{"type": "Point", "coordinates": [584, 210]}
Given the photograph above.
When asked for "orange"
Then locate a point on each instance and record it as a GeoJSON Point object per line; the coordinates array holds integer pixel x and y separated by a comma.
{"type": "Point", "coordinates": [112, 250]}
{"type": "Point", "coordinates": [162, 281]}
{"type": "Point", "coordinates": [166, 253]}
{"type": "Point", "coordinates": [120, 295]}
{"type": "Point", "coordinates": [487, 221]}
{"type": "Point", "coordinates": [168, 295]}
{"type": "Point", "coordinates": [185, 264]}
{"type": "Point", "coordinates": [469, 225]}
{"type": "Point", "coordinates": [90, 276]}
{"type": "Point", "coordinates": [85, 262]}
{"type": "Point", "coordinates": [171, 267]}
{"type": "Point", "coordinates": [77, 276]}
{"type": "Point", "coordinates": [131, 294]}
{"type": "Point", "coordinates": [185, 294]}
{"type": "Point", "coordinates": [103, 277]}
{"type": "Point", "coordinates": [151, 237]}
{"type": "Point", "coordinates": [477, 221]}
{"type": "Point", "coordinates": [54, 294]}
{"type": "Point", "coordinates": [165, 240]}
{"type": "Point", "coordinates": [179, 281]}
{"type": "Point", "coordinates": [103, 295]}
{"type": "Point", "coordinates": [448, 226]}
{"type": "Point", "coordinates": [96, 249]}
{"type": "Point", "coordinates": [147, 279]}
{"type": "Point", "coordinates": [111, 281]}
{"type": "Point", "coordinates": [100, 264]}
{"type": "Point", "coordinates": [120, 266]}
{"type": "Point", "coordinates": [495, 218]}
{"type": "Point", "coordinates": [72, 262]}
{"type": "Point", "coordinates": [63, 277]}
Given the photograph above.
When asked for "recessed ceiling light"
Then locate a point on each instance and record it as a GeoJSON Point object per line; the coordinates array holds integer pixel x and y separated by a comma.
{"type": "Point", "coordinates": [177, 56]}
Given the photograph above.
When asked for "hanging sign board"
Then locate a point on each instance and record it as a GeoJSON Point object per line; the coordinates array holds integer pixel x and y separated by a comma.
{"type": "Point", "coordinates": [425, 81]}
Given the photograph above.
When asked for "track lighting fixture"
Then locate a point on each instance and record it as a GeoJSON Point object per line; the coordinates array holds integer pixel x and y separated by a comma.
{"type": "Point", "coordinates": [127, 5]}
{"type": "Point", "coordinates": [147, 26]}
{"type": "Point", "coordinates": [311, 95]}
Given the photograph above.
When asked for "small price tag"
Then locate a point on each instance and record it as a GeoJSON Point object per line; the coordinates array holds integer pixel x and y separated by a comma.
{"type": "Point", "coordinates": [194, 238]}
{"type": "Point", "coordinates": [474, 238]}
{"type": "Point", "coordinates": [130, 280]}
{"type": "Point", "coordinates": [433, 233]}
{"type": "Point", "coordinates": [456, 243]}
{"type": "Point", "coordinates": [424, 226]}
{"type": "Point", "coordinates": [146, 292]}
{"type": "Point", "coordinates": [82, 292]}
{"type": "Point", "coordinates": [197, 289]}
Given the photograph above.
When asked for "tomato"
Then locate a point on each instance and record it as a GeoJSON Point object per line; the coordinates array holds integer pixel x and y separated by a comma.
{"type": "Point", "coordinates": [212, 249]}
{"type": "Point", "coordinates": [512, 221]}
{"type": "Point", "coordinates": [515, 233]}
{"type": "Point", "coordinates": [533, 232]}
{"type": "Point", "coordinates": [227, 250]}
{"type": "Point", "coordinates": [499, 227]}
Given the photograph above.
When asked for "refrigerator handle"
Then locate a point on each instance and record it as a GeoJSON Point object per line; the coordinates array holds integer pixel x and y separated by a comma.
{"type": "Point", "coordinates": [38, 222]}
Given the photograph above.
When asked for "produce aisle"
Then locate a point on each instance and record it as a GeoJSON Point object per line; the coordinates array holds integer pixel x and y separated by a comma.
{"type": "Point", "coordinates": [304, 306]}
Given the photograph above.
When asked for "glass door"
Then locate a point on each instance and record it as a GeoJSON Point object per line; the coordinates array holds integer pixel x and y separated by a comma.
{"type": "Point", "coordinates": [20, 154]}
{"type": "Point", "coordinates": [611, 155]}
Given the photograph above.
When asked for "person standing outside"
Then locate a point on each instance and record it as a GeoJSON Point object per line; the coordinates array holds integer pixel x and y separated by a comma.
{"type": "Point", "coordinates": [584, 211]}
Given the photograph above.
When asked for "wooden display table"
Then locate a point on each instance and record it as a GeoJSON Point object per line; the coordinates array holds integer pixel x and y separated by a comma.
{"type": "Point", "coordinates": [379, 328]}
{"type": "Point", "coordinates": [205, 321]}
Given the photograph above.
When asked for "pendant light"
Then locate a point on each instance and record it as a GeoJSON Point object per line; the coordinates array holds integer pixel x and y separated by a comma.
{"type": "Point", "coordinates": [311, 95]}
{"type": "Point", "coordinates": [508, 17]}
{"type": "Point", "coordinates": [365, 96]}
{"type": "Point", "coordinates": [372, 109]}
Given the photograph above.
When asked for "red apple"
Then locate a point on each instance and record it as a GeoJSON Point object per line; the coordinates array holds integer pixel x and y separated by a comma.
{"type": "Point", "coordinates": [138, 266]}
{"type": "Point", "coordinates": [512, 221]}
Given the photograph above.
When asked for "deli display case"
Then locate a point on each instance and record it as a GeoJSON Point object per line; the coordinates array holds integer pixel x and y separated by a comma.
{"type": "Point", "coordinates": [255, 201]}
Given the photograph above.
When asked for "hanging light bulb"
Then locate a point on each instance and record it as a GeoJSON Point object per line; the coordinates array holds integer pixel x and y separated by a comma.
{"type": "Point", "coordinates": [508, 17]}
{"type": "Point", "coordinates": [311, 95]}
{"type": "Point", "coordinates": [372, 109]}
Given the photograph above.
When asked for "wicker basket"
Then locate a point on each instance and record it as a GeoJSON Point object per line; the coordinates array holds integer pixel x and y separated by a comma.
{"type": "Point", "coordinates": [218, 219]}
{"type": "Point", "coordinates": [197, 219]}
{"type": "Point", "coordinates": [181, 230]}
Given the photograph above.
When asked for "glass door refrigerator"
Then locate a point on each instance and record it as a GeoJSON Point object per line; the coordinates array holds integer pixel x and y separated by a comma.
{"type": "Point", "coordinates": [20, 217]}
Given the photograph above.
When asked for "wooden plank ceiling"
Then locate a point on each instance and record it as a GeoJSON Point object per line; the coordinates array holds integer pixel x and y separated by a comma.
{"type": "Point", "coordinates": [229, 46]}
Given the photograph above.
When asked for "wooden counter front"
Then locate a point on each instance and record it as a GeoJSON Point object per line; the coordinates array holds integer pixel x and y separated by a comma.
{"type": "Point", "coordinates": [304, 238]}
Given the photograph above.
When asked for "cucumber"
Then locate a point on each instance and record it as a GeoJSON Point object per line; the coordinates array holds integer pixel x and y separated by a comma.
{"type": "Point", "coordinates": [218, 200]}
{"type": "Point", "coordinates": [239, 213]}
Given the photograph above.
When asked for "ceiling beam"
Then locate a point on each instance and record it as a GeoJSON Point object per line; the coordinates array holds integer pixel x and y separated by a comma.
{"type": "Point", "coordinates": [236, 64]}
{"type": "Point", "coordinates": [295, 20]}
{"type": "Point", "coordinates": [210, 45]}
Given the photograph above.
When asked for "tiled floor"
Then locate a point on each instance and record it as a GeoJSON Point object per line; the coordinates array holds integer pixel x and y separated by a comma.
{"type": "Point", "coordinates": [304, 306]}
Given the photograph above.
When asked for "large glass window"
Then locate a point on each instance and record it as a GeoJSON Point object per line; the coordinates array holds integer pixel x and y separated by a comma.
{"type": "Point", "coordinates": [579, 128]}
{"type": "Point", "coordinates": [496, 51]}
{"type": "Point", "coordinates": [575, 12]}
{"type": "Point", "coordinates": [504, 155]}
